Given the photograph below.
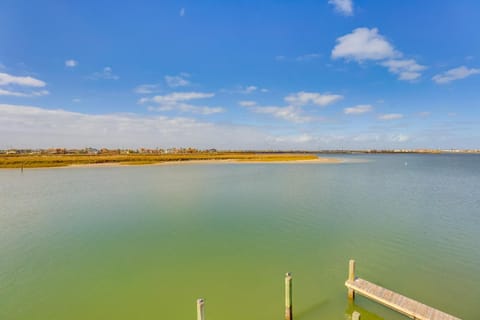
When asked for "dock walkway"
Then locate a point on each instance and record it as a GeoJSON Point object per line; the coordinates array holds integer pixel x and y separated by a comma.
{"type": "Point", "coordinates": [395, 301]}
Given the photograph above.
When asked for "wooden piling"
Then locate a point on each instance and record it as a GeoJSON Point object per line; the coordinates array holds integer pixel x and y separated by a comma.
{"type": "Point", "coordinates": [288, 296]}
{"type": "Point", "coordinates": [356, 315]}
{"type": "Point", "coordinates": [351, 277]}
{"type": "Point", "coordinates": [200, 309]}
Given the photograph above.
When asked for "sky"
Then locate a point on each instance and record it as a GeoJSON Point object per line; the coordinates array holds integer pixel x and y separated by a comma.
{"type": "Point", "coordinates": [271, 75]}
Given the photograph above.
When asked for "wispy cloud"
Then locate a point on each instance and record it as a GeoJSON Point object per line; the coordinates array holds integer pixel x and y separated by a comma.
{"type": "Point", "coordinates": [390, 116]}
{"type": "Point", "coordinates": [38, 93]}
{"type": "Point", "coordinates": [308, 57]}
{"type": "Point", "coordinates": [454, 74]}
{"type": "Point", "coordinates": [147, 88]}
{"type": "Point", "coordinates": [179, 101]}
{"type": "Point", "coordinates": [18, 86]}
{"type": "Point", "coordinates": [7, 79]}
{"type": "Point", "coordinates": [359, 109]}
{"type": "Point", "coordinates": [313, 98]}
{"type": "Point", "coordinates": [182, 12]}
{"type": "Point", "coordinates": [247, 103]}
{"type": "Point", "coordinates": [344, 7]}
{"type": "Point", "coordinates": [180, 80]}
{"type": "Point", "coordinates": [106, 74]}
{"type": "Point", "coordinates": [245, 89]}
{"type": "Point", "coordinates": [288, 113]}
{"type": "Point", "coordinates": [364, 44]}
{"type": "Point", "coordinates": [71, 63]}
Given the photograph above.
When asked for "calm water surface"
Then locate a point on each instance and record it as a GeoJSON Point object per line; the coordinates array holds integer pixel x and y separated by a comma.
{"type": "Point", "coordinates": [145, 242]}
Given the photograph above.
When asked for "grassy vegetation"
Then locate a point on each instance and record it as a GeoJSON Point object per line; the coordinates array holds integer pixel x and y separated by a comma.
{"type": "Point", "coordinates": [41, 161]}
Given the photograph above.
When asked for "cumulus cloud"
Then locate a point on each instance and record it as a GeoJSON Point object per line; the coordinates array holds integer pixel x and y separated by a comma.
{"type": "Point", "coordinates": [345, 7]}
{"type": "Point", "coordinates": [390, 116]}
{"type": "Point", "coordinates": [454, 74]}
{"type": "Point", "coordinates": [407, 69]}
{"type": "Point", "coordinates": [363, 44]}
{"type": "Point", "coordinates": [359, 109]}
{"type": "Point", "coordinates": [180, 80]}
{"type": "Point", "coordinates": [304, 98]}
{"type": "Point", "coordinates": [71, 63]}
{"type": "Point", "coordinates": [178, 101]}
{"type": "Point", "coordinates": [106, 74]}
{"type": "Point", "coordinates": [368, 44]}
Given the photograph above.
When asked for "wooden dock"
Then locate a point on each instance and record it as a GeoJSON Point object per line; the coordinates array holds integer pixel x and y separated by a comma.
{"type": "Point", "coordinates": [409, 307]}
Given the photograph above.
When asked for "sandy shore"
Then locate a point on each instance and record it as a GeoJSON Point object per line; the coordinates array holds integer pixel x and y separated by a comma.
{"type": "Point", "coordinates": [193, 162]}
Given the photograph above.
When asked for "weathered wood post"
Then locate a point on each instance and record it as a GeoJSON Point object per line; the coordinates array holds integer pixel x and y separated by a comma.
{"type": "Point", "coordinates": [200, 309]}
{"type": "Point", "coordinates": [351, 277]}
{"type": "Point", "coordinates": [356, 315]}
{"type": "Point", "coordinates": [288, 296]}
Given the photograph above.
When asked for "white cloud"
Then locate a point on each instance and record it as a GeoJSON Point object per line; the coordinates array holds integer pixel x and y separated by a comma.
{"type": "Point", "coordinates": [180, 80]}
{"type": "Point", "coordinates": [368, 44]}
{"type": "Point", "coordinates": [182, 12]}
{"type": "Point", "coordinates": [146, 88]}
{"type": "Point", "coordinates": [16, 86]}
{"type": "Point", "coordinates": [345, 7]}
{"type": "Point", "coordinates": [7, 79]}
{"type": "Point", "coordinates": [359, 109]}
{"type": "Point", "coordinates": [390, 116]}
{"type": "Point", "coordinates": [247, 103]}
{"type": "Point", "coordinates": [185, 107]}
{"type": "Point", "coordinates": [176, 101]}
{"type": "Point", "coordinates": [304, 98]}
{"type": "Point", "coordinates": [76, 100]}
{"type": "Point", "coordinates": [454, 74]}
{"type": "Point", "coordinates": [245, 89]}
{"type": "Point", "coordinates": [6, 92]}
{"type": "Point", "coordinates": [407, 69]}
{"type": "Point", "coordinates": [106, 74]}
{"type": "Point", "coordinates": [289, 113]}
{"type": "Point", "coordinates": [34, 127]}
{"type": "Point", "coordinates": [280, 58]}
{"type": "Point", "coordinates": [363, 44]}
{"type": "Point", "coordinates": [177, 96]}
{"type": "Point", "coordinates": [71, 63]}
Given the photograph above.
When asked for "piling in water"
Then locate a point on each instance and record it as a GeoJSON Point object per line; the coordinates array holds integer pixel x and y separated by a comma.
{"type": "Point", "coordinates": [288, 296]}
{"type": "Point", "coordinates": [200, 309]}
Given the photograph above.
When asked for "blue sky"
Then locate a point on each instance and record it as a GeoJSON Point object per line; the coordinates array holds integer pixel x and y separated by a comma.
{"type": "Point", "coordinates": [240, 74]}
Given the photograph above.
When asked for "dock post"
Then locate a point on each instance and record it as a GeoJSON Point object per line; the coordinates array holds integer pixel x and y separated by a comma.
{"type": "Point", "coordinates": [356, 315]}
{"type": "Point", "coordinates": [288, 296]}
{"type": "Point", "coordinates": [351, 277]}
{"type": "Point", "coordinates": [200, 309]}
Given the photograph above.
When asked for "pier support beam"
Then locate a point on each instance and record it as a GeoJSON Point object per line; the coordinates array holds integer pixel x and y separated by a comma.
{"type": "Point", "coordinates": [200, 309]}
{"type": "Point", "coordinates": [351, 277]}
{"type": "Point", "coordinates": [288, 296]}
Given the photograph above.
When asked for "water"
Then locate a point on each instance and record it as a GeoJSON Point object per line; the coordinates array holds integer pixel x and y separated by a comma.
{"type": "Point", "coordinates": [146, 242]}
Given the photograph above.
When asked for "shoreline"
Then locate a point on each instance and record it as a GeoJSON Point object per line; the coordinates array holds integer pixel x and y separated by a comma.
{"type": "Point", "coordinates": [319, 160]}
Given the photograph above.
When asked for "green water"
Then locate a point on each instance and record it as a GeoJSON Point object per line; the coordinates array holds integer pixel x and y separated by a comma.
{"type": "Point", "coordinates": [146, 242]}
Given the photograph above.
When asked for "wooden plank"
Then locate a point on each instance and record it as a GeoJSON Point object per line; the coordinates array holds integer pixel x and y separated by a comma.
{"type": "Point", "coordinates": [409, 307]}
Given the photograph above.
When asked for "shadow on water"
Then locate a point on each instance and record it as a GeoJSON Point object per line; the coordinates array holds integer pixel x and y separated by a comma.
{"type": "Point", "coordinates": [365, 314]}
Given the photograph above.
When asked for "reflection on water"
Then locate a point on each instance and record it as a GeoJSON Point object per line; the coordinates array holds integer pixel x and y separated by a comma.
{"type": "Point", "coordinates": [146, 242]}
